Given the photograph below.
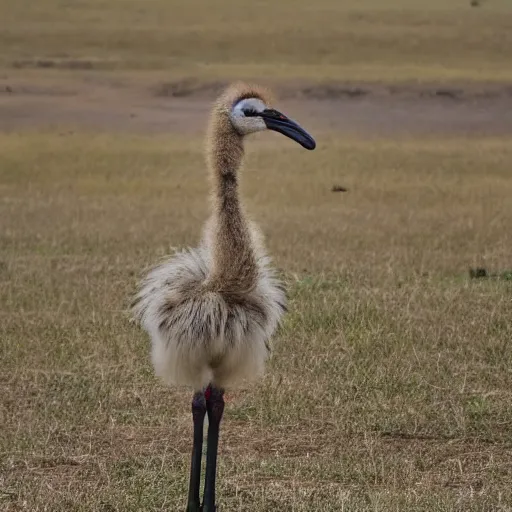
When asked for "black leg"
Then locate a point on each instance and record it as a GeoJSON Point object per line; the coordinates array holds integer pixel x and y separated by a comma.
{"type": "Point", "coordinates": [215, 409]}
{"type": "Point", "coordinates": [198, 414]}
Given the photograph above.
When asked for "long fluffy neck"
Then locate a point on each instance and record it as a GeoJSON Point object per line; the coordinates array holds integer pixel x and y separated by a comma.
{"type": "Point", "coordinates": [234, 266]}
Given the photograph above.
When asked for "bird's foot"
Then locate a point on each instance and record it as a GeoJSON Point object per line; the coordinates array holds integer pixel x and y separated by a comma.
{"type": "Point", "coordinates": [194, 507]}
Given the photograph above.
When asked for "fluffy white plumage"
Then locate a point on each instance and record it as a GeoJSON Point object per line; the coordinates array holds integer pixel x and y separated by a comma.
{"type": "Point", "coordinates": [201, 336]}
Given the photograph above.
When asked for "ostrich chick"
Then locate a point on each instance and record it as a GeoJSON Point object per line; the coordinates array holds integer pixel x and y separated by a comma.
{"type": "Point", "coordinates": [210, 311]}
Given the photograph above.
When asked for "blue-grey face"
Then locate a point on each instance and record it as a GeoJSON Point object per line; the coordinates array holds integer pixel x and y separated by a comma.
{"type": "Point", "coordinates": [251, 115]}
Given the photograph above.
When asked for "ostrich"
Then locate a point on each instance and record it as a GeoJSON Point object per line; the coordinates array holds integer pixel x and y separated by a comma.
{"type": "Point", "coordinates": [210, 311]}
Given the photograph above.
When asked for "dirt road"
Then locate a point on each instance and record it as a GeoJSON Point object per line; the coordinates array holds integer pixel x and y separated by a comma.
{"type": "Point", "coordinates": [112, 104]}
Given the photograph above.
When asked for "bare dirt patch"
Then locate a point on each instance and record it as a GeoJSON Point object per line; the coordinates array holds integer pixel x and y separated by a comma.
{"type": "Point", "coordinates": [56, 63]}
{"type": "Point", "coordinates": [103, 102]}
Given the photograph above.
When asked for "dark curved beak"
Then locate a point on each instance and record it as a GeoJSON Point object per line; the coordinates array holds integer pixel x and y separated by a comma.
{"type": "Point", "coordinates": [280, 123]}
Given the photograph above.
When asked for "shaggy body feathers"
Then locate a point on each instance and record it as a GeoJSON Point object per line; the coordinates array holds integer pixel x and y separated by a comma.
{"type": "Point", "coordinates": [201, 336]}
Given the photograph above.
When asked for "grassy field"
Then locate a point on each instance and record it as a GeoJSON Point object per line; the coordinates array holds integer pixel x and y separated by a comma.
{"type": "Point", "coordinates": [327, 39]}
{"type": "Point", "coordinates": [390, 386]}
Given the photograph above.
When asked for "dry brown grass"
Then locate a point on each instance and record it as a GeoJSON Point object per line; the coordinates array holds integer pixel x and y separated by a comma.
{"type": "Point", "coordinates": [350, 40]}
{"type": "Point", "coordinates": [390, 385]}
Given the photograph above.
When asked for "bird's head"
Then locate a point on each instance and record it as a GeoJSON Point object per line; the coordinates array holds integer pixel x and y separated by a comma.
{"type": "Point", "coordinates": [249, 110]}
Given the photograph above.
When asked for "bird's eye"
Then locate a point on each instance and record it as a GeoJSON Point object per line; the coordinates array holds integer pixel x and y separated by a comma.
{"type": "Point", "coordinates": [250, 112]}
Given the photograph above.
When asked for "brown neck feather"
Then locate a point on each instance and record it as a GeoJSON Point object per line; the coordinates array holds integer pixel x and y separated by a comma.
{"type": "Point", "coordinates": [234, 266]}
